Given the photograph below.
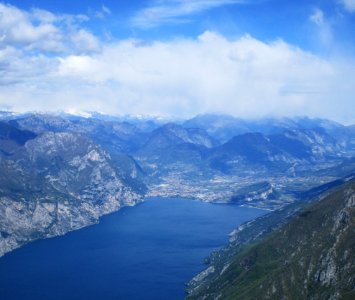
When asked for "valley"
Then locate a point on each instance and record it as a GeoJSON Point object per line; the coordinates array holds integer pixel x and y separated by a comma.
{"type": "Point", "coordinates": [177, 149]}
{"type": "Point", "coordinates": [62, 172]}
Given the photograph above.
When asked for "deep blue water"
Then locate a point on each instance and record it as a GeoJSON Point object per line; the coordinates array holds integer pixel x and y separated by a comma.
{"type": "Point", "coordinates": [144, 252]}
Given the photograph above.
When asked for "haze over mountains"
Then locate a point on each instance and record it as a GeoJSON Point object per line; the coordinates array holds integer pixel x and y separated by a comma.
{"type": "Point", "coordinates": [61, 172]}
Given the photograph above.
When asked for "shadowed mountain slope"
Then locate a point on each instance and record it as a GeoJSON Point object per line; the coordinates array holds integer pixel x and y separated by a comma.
{"type": "Point", "coordinates": [311, 256]}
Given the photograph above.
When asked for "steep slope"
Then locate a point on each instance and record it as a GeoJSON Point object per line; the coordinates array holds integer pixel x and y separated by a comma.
{"type": "Point", "coordinates": [311, 256]}
{"type": "Point", "coordinates": [11, 138]}
{"type": "Point", "coordinates": [173, 134]}
{"type": "Point", "coordinates": [118, 138]}
{"type": "Point", "coordinates": [57, 182]}
{"type": "Point", "coordinates": [247, 149]}
{"type": "Point", "coordinates": [291, 154]}
{"type": "Point", "coordinates": [292, 150]}
{"type": "Point", "coordinates": [257, 195]}
{"type": "Point", "coordinates": [8, 132]}
{"type": "Point", "coordinates": [172, 147]}
{"type": "Point", "coordinates": [97, 162]}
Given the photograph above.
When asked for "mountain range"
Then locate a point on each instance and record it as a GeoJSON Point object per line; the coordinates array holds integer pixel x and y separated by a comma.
{"type": "Point", "coordinates": [60, 172]}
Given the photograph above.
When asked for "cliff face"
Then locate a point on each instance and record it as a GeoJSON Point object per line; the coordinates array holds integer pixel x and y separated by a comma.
{"type": "Point", "coordinates": [54, 183]}
{"type": "Point", "coordinates": [311, 256]}
{"type": "Point", "coordinates": [61, 172]}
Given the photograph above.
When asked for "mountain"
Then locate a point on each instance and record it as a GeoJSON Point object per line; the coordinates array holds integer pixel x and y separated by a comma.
{"type": "Point", "coordinates": [255, 195]}
{"type": "Point", "coordinates": [119, 136]}
{"type": "Point", "coordinates": [224, 127]}
{"type": "Point", "coordinates": [248, 149]}
{"type": "Point", "coordinates": [40, 123]}
{"type": "Point", "coordinates": [308, 255]}
{"type": "Point", "coordinates": [55, 182]}
{"type": "Point", "coordinates": [291, 154]}
{"type": "Point", "coordinates": [173, 134]}
{"type": "Point", "coordinates": [11, 138]}
{"type": "Point", "coordinates": [281, 152]}
{"type": "Point", "coordinates": [72, 169]}
{"type": "Point", "coordinates": [172, 146]}
{"type": "Point", "coordinates": [8, 132]}
{"type": "Point", "coordinates": [7, 115]}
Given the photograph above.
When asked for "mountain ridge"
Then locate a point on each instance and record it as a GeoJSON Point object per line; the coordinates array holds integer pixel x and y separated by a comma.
{"type": "Point", "coordinates": [309, 255]}
{"type": "Point", "coordinates": [89, 166]}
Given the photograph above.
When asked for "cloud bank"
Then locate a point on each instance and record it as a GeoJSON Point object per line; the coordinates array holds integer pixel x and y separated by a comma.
{"type": "Point", "coordinates": [182, 77]}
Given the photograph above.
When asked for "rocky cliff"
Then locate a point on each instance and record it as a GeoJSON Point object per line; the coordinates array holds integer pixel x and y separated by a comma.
{"type": "Point", "coordinates": [59, 172]}
{"type": "Point", "coordinates": [54, 183]}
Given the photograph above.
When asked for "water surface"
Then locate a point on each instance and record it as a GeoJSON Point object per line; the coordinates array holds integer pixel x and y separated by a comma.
{"type": "Point", "coordinates": [149, 251]}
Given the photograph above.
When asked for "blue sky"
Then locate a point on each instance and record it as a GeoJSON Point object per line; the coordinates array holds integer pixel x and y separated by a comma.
{"type": "Point", "coordinates": [263, 19]}
{"type": "Point", "coordinates": [179, 58]}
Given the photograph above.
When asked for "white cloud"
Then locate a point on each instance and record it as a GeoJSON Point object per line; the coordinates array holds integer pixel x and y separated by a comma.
{"type": "Point", "coordinates": [245, 77]}
{"type": "Point", "coordinates": [42, 30]}
{"type": "Point", "coordinates": [85, 40]}
{"type": "Point", "coordinates": [16, 28]}
{"type": "Point", "coordinates": [349, 5]}
{"type": "Point", "coordinates": [173, 11]}
{"type": "Point", "coordinates": [181, 77]}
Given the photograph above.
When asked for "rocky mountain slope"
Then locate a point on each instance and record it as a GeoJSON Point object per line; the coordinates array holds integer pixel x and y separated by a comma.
{"type": "Point", "coordinates": [59, 172]}
{"type": "Point", "coordinates": [309, 253]}
{"type": "Point", "coordinates": [172, 148]}
{"type": "Point", "coordinates": [55, 182]}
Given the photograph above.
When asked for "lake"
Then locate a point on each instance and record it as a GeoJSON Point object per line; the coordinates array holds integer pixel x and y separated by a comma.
{"type": "Point", "coordinates": [149, 251]}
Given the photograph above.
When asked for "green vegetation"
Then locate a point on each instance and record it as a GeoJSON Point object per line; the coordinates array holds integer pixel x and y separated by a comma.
{"type": "Point", "coordinates": [309, 257]}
